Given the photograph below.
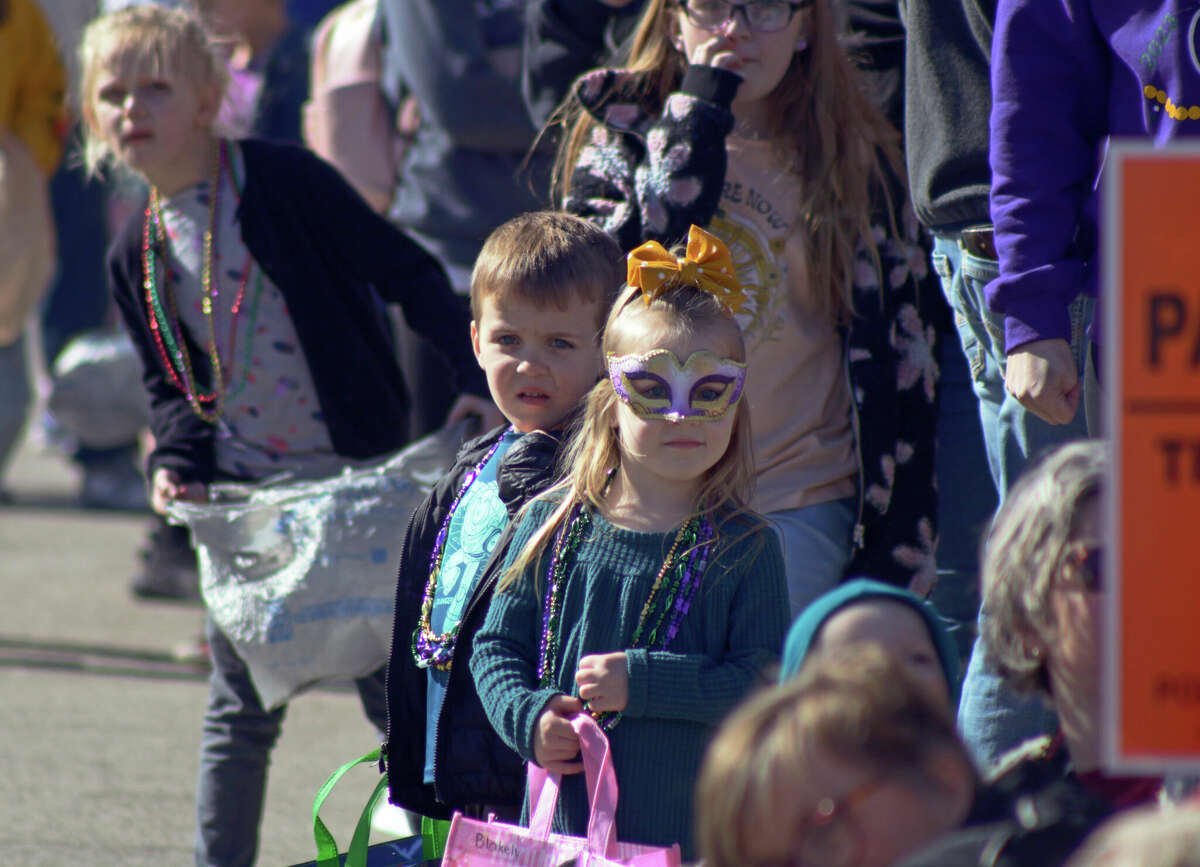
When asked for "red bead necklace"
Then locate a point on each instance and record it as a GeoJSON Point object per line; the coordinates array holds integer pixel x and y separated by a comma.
{"type": "Point", "coordinates": [165, 323]}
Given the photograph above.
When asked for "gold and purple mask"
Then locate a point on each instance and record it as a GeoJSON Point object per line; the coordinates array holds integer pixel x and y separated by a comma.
{"type": "Point", "coordinates": [655, 385]}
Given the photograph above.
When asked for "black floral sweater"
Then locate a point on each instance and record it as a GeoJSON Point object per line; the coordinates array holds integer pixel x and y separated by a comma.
{"type": "Point", "coordinates": [643, 176]}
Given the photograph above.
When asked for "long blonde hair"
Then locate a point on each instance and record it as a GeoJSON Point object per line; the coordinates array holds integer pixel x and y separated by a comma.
{"type": "Point", "coordinates": [823, 125]}
{"type": "Point", "coordinates": [593, 452]}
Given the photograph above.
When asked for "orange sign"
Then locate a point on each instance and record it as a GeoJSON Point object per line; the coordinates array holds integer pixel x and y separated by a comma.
{"type": "Point", "coordinates": [1151, 349]}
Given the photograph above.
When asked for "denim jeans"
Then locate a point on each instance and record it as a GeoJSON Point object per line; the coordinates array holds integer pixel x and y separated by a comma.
{"type": "Point", "coordinates": [235, 751]}
{"type": "Point", "coordinates": [16, 395]}
{"type": "Point", "coordinates": [966, 496]}
{"type": "Point", "coordinates": [992, 720]}
{"type": "Point", "coordinates": [816, 547]}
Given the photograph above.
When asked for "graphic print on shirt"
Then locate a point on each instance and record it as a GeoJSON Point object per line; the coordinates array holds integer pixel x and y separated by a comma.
{"type": "Point", "coordinates": [758, 259]}
{"type": "Point", "coordinates": [1176, 34]}
{"type": "Point", "coordinates": [467, 551]}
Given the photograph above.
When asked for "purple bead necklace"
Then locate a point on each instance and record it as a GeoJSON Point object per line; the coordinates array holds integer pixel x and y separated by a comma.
{"type": "Point", "coordinates": [668, 602]}
{"type": "Point", "coordinates": [430, 649]}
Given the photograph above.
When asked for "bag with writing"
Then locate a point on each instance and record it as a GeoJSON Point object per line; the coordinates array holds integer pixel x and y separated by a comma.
{"type": "Point", "coordinates": [475, 843]}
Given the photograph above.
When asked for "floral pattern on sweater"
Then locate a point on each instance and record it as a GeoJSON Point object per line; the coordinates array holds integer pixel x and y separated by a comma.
{"type": "Point", "coordinates": [643, 176]}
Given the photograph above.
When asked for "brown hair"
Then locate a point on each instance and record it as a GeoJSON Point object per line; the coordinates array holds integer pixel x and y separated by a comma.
{"type": "Point", "coordinates": [860, 705]}
{"type": "Point", "coordinates": [824, 127]}
{"type": "Point", "coordinates": [593, 452]}
{"type": "Point", "coordinates": [546, 258]}
{"type": "Point", "coordinates": [1023, 554]}
{"type": "Point", "coordinates": [172, 41]}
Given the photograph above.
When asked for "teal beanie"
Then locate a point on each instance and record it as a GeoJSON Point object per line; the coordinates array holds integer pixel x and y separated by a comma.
{"type": "Point", "coordinates": [805, 628]}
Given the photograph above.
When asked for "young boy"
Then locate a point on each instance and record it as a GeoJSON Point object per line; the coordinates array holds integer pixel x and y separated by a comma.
{"type": "Point", "coordinates": [540, 291]}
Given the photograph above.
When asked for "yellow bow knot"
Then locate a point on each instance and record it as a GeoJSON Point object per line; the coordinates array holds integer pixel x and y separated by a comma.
{"type": "Point", "coordinates": [706, 263]}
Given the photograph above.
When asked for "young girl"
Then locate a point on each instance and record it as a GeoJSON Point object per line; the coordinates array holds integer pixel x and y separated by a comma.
{"type": "Point", "coordinates": [249, 286]}
{"type": "Point", "coordinates": [644, 591]}
{"type": "Point", "coordinates": [748, 119]}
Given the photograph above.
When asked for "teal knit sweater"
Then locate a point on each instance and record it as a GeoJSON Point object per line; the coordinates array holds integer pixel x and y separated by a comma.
{"type": "Point", "coordinates": [732, 632]}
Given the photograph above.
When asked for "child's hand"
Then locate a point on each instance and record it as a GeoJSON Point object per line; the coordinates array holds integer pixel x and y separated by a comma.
{"type": "Point", "coordinates": [471, 404]}
{"type": "Point", "coordinates": [167, 486]}
{"type": "Point", "coordinates": [603, 681]}
{"type": "Point", "coordinates": [554, 741]}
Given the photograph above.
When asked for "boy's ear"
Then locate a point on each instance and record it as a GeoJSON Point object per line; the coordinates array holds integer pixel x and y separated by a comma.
{"type": "Point", "coordinates": [475, 342]}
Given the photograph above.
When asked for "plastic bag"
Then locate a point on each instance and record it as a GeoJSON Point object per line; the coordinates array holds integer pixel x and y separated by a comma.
{"type": "Point", "coordinates": [97, 395]}
{"type": "Point", "coordinates": [301, 576]}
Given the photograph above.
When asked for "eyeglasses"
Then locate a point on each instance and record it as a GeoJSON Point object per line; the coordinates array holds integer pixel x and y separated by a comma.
{"type": "Point", "coordinates": [761, 16]}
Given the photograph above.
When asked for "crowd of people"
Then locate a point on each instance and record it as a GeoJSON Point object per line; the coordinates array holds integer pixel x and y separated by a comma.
{"type": "Point", "coordinates": [812, 529]}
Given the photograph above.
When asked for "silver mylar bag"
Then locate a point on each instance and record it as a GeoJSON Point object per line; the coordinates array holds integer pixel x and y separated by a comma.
{"type": "Point", "coordinates": [301, 576]}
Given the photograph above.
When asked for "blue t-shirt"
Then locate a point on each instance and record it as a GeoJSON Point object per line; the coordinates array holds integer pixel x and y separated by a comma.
{"type": "Point", "coordinates": [474, 530]}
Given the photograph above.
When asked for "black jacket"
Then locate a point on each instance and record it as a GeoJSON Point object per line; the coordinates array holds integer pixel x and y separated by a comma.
{"type": "Point", "coordinates": [333, 259]}
{"type": "Point", "coordinates": [471, 764]}
{"type": "Point", "coordinates": [1032, 811]}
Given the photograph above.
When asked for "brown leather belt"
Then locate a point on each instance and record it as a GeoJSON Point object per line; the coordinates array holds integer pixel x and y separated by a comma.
{"type": "Point", "coordinates": [979, 241]}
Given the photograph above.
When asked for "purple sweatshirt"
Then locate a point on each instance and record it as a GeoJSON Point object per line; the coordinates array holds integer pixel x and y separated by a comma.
{"type": "Point", "coordinates": [1066, 74]}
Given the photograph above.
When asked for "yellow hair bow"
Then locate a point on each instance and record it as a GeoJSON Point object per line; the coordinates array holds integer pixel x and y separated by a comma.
{"type": "Point", "coordinates": [706, 264]}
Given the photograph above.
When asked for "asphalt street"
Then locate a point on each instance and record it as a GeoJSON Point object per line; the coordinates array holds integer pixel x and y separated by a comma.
{"type": "Point", "coordinates": [100, 726]}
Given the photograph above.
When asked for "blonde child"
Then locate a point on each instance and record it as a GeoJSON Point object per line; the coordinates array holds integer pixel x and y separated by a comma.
{"type": "Point", "coordinates": [540, 291]}
{"type": "Point", "coordinates": [251, 286]}
{"type": "Point", "coordinates": [748, 119]}
{"type": "Point", "coordinates": [642, 590]}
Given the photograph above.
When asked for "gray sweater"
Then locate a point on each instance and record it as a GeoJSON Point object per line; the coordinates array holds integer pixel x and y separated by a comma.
{"type": "Point", "coordinates": [732, 632]}
{"type": "Point", "coordinates": [463, 175]}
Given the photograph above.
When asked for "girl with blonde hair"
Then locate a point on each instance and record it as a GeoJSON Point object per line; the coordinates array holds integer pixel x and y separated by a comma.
{"type": "Point", "coordinates": [750, 120]}
{"type": "Point", "coordinates": [642, 590]}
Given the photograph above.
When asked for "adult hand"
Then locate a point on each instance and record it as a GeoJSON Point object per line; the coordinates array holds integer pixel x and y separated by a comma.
{"type": "Point", "coordinates": [603, 680]}
{"type": "Point", "coordinates": [473, 404]}
{"type": "Point", "coordinates": [166, 486]}
{"type": "Point", "coordinates": [554, 741]}
{"type": "Point", "coordinates": [1043, 377]}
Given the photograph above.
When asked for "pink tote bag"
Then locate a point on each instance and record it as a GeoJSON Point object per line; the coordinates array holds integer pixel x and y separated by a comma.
{"type": "Point", "coordinates": [475, 843]}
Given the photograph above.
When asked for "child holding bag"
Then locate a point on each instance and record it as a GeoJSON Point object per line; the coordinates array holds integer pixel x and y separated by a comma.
{"type": "Point", "coordinates": [642, 590]}
{"type": "Point", "coordinates": [251, 286]}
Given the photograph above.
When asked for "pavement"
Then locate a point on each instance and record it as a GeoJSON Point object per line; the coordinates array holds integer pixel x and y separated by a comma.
{"type": "Point", "coordinates": [100, 726]}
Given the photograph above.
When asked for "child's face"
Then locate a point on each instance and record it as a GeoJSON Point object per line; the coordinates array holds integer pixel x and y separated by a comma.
{"type": "Point", "coordinates": [895, 626]}
{"type": "Point", "coordinates": [673, 451]}
{"type": "Point", "coordinates": [539, 361]}
{"type": "Point", "coordinates": [153, 122]}
{"type": "Point", "coordinates": [761, 59]}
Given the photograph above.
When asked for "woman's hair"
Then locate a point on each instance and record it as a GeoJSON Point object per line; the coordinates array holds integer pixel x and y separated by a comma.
{"type": "Point", "coordinates": [859, 705]}
{"type": "Point", "coordinates": [171, 42]}
{"type": "Point", "coordinates": [823, 125]}
{"type": "Point", "coordinates": [1024, 551]}
{"type": "Point", "coordinates": [593, 452]}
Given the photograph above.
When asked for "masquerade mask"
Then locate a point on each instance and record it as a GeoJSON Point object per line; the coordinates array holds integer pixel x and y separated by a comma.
{"type": "Point", "coordinates": [655, 385]}
{"type": "Point", "coordinates": [706, 264]}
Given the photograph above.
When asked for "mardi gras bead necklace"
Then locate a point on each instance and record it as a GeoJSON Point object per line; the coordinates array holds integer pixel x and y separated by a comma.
{"type": "Point", "coordinates": [165, 323]}
{"type": "Point", "coordinates": [667, 604]}
{"type": "Point", "coordinates": [430, 649]}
